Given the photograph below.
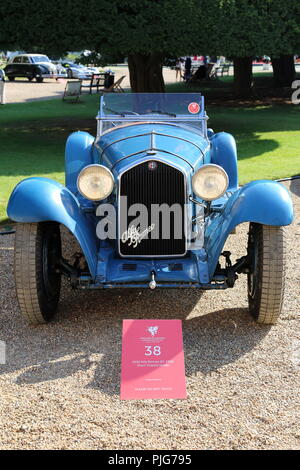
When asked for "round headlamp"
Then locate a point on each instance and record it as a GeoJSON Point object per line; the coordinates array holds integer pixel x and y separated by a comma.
{"type": "Point", "coordinates": [210, 182]}
{"type": "Point", "coordinates": [95, 182]}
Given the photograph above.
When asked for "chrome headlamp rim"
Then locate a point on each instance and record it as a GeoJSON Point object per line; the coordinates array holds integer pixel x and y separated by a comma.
{"type": "Point", "coordinates": [222, 171]}
{"type": "Point", "coordinates": [102, 167]}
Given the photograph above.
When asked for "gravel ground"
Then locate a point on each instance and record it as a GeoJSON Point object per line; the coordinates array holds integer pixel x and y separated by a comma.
{"type": "Point", "coordinates": [60, 386]}
{"type": "Point", "coordinates": [23, 90]}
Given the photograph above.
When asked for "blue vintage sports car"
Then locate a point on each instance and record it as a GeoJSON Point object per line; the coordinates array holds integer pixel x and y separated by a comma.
{"type": "Point", "coordinates": [151, 201]}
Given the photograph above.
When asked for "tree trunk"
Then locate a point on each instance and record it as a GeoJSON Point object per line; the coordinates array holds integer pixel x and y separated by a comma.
{"type": "Point", "coordinates": [283, 70]}
{"type": "Point", "coordinates": [243, 76]}
{"type": "Point", "coordinates": [145, 71]}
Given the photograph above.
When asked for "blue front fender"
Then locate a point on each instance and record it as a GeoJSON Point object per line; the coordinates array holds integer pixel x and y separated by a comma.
{"type": "Point", "coordinates": [264, 202]}
{"type": "Point", "coordinates": [42, 199]}
{"type": "Point", "coordinates": [79, 153]}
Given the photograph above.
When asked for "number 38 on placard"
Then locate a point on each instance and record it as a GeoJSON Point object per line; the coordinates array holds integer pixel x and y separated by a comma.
{"type": "Point", "coordinates": [152, 351]}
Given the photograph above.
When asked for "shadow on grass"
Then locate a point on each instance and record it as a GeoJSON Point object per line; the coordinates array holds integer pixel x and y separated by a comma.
{"type": "Point", "coordinates": [247, 121]}
{"type": "Point", "coordinates": [38, 147]}
{"type": "Point", "coordinates": [255, 147]}
{"type": "Point", "coordinates": [221, 90]}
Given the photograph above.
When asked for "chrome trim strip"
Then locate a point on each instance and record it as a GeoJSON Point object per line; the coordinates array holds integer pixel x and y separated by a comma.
{"type": "Point", "coordinates": [181, 138]}
{"type": "Point", "coordinates": [184, 213]}
{"type": "Point", "coordinates": [99, 117]}
{"type": "Point", "coordinates": [151, 134]}
{"type": "Point", "coordinates": [157, 150]}
{"type": "Point", "coordinates": [153, 141]}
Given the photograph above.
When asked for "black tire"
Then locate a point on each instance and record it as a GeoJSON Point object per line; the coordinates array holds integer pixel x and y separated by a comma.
{"type": "Point", "coordinates": [37, 251]}
{"type": "Point", "coordinates": [30, 79]}
{"type": "Point", "coordinates": [69, 73]}
{"type": "Point", "coordinates": [39, 79]}
{"type": "Point", "coordinates": [266, 279]}
{"type": "Point", "coordinates": [11, 79]}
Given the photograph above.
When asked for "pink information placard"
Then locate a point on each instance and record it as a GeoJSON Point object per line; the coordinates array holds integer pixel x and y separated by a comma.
{"type": "Point", "coordinates": [152, 360]}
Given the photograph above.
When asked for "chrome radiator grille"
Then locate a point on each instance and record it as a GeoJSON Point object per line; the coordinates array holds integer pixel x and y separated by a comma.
{"type": "Point", "coordinates": [148, 183]}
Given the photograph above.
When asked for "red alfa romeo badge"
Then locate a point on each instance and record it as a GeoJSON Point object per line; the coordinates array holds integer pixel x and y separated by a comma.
{"type": "Point", "coordinates": [194, 108]}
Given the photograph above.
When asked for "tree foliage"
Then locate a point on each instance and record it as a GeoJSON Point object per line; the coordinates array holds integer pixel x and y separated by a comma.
{"type": "Point", "coordinates": [114, 28]}
{"type": "Point", "coordinates": [172, 27]}
{"type": "Point", "coordinates": [149, 30]}
{"type": "Point", "coordinates": [242, 28]}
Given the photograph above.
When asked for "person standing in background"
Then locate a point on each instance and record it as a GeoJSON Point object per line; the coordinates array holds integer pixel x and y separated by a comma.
{"type": "Point", "coordinates": [2, 87]}
{"type": "Point", "coordinates": [188, 66]}
{"type": "Point", "coordinates": [178, 68]}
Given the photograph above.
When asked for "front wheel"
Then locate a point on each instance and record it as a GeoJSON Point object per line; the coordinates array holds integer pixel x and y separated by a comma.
{"type": "Point", "coordinates": [39, 79]}
{"type": "Point", "coordinates": [266, 277]}
{"type": "Point", "coordinates": [37, 254]}
{"type": "Point", "coordinates": [11, 79]}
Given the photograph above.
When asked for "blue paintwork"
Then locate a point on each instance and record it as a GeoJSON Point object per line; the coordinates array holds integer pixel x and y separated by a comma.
{"type": "Point", "coordinates": [171, 139]}
{"type": "Point", "coordinates": [110, 268]}
{"type": "Point", "coordinates": [264, 202]}
{"type": "Point", "coordinates": [223, 153]}
{"type": "Point", "coordinates": [166, 158]}
{"type": "Point", "coordinates": [78, 154]}
{"type": "Point", "coordinates": [41, 199]}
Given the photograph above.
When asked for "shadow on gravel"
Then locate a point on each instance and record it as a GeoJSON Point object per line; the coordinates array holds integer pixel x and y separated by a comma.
{"type": "Point", "coordinates": [210, 342]}
{"type": "Point", "coordinates": [295, 186]}
{"type": "Point", "coordinates": [91, 341]}
{"type": "Point", "coordinates": [83, 343]}
{"type": "Point", "coordinates": [219, 338]}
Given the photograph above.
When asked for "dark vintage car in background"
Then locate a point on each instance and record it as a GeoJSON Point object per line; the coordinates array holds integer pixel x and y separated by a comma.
{"type": "Point", "coordinates": [151, 200]}
{"type": "Point", "coordinates": [33, 66]}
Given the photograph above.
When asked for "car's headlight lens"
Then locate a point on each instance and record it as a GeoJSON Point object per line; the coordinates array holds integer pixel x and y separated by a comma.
{"type": "Point", "coordinates": [95, 182]}
{"type": "Point", "coordinates": [210, 182]}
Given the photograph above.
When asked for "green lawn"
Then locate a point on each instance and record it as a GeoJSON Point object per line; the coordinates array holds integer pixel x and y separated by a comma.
{"type": "Point", "coordinates": [222, 88]}
{"type": "Point", "coordinates": [33, 135]}
{"type": "Point", "coordinates": [268, 139]}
